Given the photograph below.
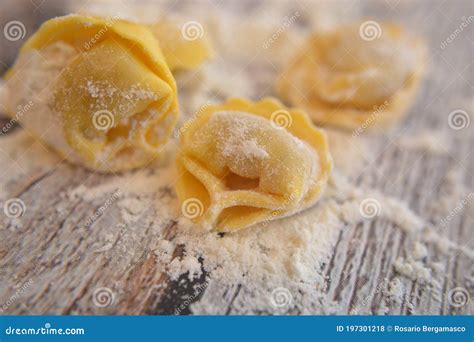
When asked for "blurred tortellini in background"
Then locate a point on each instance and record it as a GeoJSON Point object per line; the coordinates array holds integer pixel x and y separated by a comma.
{"type": "Point", "coordinates": [355, 74]}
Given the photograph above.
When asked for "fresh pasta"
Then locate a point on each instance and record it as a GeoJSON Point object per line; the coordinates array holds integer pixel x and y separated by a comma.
{"type": "Point", "coordinates": [346, 78]}
{"type": "Point", "coordinates": [242, 163]}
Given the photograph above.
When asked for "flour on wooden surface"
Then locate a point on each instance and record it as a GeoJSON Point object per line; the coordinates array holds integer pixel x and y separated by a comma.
{"type": "Point", "coordinates": [287, 254]}
{"type": "Point", "coordinates": [395, 292]}
{"type": "Point", "coordinates": [432, 142]}
{"type": "Point", "coordinates": [285, 258]}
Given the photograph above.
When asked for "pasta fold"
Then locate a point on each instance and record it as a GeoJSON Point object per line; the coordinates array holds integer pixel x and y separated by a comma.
{"type": "Point", "coordinates": [355, 75]}
{"type": "Point", "coordinates": [103, 94]}
{"type": "Point", "coordinates": [242, 163]}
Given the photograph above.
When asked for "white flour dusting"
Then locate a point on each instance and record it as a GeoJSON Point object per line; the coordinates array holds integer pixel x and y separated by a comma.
{"type": "Point", "coordinates": [414, 270]}
{"type": "Point", "coordinates": [265, 263]}
{"type": "Point", "coordinates": [288, 254]}
{"type": "Point", "coordinates": [395, 291]}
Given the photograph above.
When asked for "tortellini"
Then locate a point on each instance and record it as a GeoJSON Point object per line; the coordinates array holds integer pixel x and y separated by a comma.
{"type": "Point", "coordinates": [242, 163]}
{"type": "Point", "coordinates": [355, 75]}
{"type": "Point", "coordinates": [103, 94]}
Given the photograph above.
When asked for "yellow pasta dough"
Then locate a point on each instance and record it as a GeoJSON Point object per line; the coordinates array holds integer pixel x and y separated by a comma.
{"type": "Point", "coordinates": [183, 51]}
{"type": "Point", "coordinates": [102, 93]}
{"type": "Point", "coordinates": [355, 75]}
{"type": "Point", "coordinates": [241, 163]}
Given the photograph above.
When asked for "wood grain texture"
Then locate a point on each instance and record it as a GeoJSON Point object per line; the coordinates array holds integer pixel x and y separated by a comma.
{"type": "Point", "coordinates": [50, 253]}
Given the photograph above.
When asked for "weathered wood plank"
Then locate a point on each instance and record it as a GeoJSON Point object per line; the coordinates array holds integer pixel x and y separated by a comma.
{"type": "Point", "coordinates": [60, 262]}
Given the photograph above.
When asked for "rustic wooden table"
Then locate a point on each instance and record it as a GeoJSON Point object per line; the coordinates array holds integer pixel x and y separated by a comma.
{"type": "Point", "coordinates": [49, 262]}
